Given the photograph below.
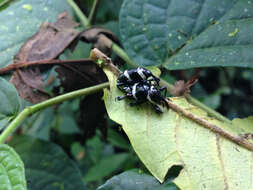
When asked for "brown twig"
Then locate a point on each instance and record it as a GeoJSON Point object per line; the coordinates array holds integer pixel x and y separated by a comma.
{"type": "Point", "coordinates": [20, 65]}
{"type": "Point", "coordinates": [236, 139]}
{"type": "Point", "coordinates": [103, 61]}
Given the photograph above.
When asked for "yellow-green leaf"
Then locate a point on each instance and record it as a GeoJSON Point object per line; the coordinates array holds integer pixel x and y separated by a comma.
{"type": "Point", "coordinates": [209, 161]}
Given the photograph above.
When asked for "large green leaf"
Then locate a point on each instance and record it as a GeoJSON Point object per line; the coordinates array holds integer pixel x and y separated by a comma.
{"type": "Point", "coordinates": [47, 167]}
{"type": "Point", "coordinates": [162, 141]}
{"type": "Point", "coordinates": [9, 102]}
{"type": "Point", "coordinates": [216, 33]}
{"type": "Point", "coordinates": [12, 172]}
{"type": "Point", "coordinates": [21, 20]}
{"type": "Point", "coordinates": [133, 180]}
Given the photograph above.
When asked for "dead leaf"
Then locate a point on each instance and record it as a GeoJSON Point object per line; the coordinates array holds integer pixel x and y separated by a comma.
{"type": "Point", "coordinates": [101, 38]}
{"type": "Point", "coordinates": [50, 41]}
{"type": "Point", "coordinates": [31, 89]}
{"type": "Point", "coordinates": [92, 111]}
{"type": "Point", "coordinates": [181, 87]}
{"type": "Point", "coordinates": [47, 44]}
{"type": "Point", "coordinates": [80, 75]}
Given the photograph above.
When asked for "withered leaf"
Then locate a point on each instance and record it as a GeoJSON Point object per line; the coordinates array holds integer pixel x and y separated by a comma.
{"type": "Point", "coordinates": [181, 87]}
{"type": "Point", "coordinates": [47, 44]}
{"type": "Point", "coordinates": [29, 89]}
{"type": "Point", "coordinates": [50, 41]}
{"type": "Point", "coordinates": [91, 118]}
{"type": "Point", "coordinates": [101, 38]}
{"type": "Point", "coordinates": [80, 75]}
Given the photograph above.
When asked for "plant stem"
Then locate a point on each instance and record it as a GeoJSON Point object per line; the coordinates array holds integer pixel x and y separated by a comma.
{"type": "Point", "coordinates": [37, 107]}
{"type": "Point", "coordinates": [93, 11]}
{"type": "Point", "coordinates": [121, 53]}
{"type": "Point", "coordinates": [4, 2]}
{"type": "Point", "coordinates": [83, 19]}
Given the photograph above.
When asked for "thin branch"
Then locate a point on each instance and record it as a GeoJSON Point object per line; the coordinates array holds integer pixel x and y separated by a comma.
{"type": "Point", "coordinates": [40, 106]}
{"type": "Point", "coordinates": [19, 65]}
{"type": "Point", "coordinates": [92, 15]}
{"type": "Point", "coordinates": [236, 139]}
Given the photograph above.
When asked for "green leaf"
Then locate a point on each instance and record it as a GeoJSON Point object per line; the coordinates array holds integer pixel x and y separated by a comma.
{"type": "Point", "coordinates": [188, 34]}
{"type": "Point", "coordinates": [117, 140]}
{"type": "Point", "coordinates": [245, 124]}
{"type": "Point", "coordinates": [47, 166]}
{"type": "Point", "coordinates": [134, 180]}
{"type": "Point", "coordinates": [10, 103]}
{"type": "Point", "coordinates": [21, 20]}
{"type": "Point", "coordinates": [12, 172]}
{"type": "Point", "coordinates": [162, 141]}
{"type": "Point", "coordinates": [105, 167]}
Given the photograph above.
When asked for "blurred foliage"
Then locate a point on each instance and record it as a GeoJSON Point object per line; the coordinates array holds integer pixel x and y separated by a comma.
{"type": "Point", "coordinates": [227, 90]}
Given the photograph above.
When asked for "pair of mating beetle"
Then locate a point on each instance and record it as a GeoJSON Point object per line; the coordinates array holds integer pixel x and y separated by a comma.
{"type": "Point", "coordinates": [140, 84]}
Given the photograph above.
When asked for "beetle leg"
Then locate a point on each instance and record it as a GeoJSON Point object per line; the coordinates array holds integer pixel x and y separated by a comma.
{"type": "Point", "coordinates": [118, 98]}
{"type": "Point", "coordinates": [164, 102]}
{"type": "Point", "coordinates": [164, 89]}
{"type": "Point", "coordinates": [157, 80]}
{"type": "Point", "coordinates": [157, 109]}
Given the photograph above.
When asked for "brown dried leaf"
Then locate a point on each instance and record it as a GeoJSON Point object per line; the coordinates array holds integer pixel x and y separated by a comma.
{"type": "Point", "coordinates": [50, 41]}
{"type": "Point", "coordinates": [181, 88]}
{"type": "Point", "coordinates": [92, 111]}
{"type": "Point", "coordinates": [80, 75]}
{"type": "Point", "coordinates": [101, 38]}
{"type": "Point", "coordinates": [47, 44]}
{"type": "Point", "coordinates": [31, 89]}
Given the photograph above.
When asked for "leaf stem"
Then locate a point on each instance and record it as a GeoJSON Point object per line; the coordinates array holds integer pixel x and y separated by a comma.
{"type": "Point", "coordinates": [219, 131]}
{"type": "Point", "coordinates": [4, 2]}
{"type": "Point", "coordinates": [83, 19]}
{"type": "Point", "coordinates": [93, 11]}
{"type": "Point", "coordinates": [122, 54]}
{"type": "Point", "coordinates": [40, 106]}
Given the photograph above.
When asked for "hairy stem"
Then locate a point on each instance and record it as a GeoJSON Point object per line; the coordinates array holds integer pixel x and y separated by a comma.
{"type": "Point", "coordinates": [93, 11]}
{"type": "Point", "coordinates": [40, 106]}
